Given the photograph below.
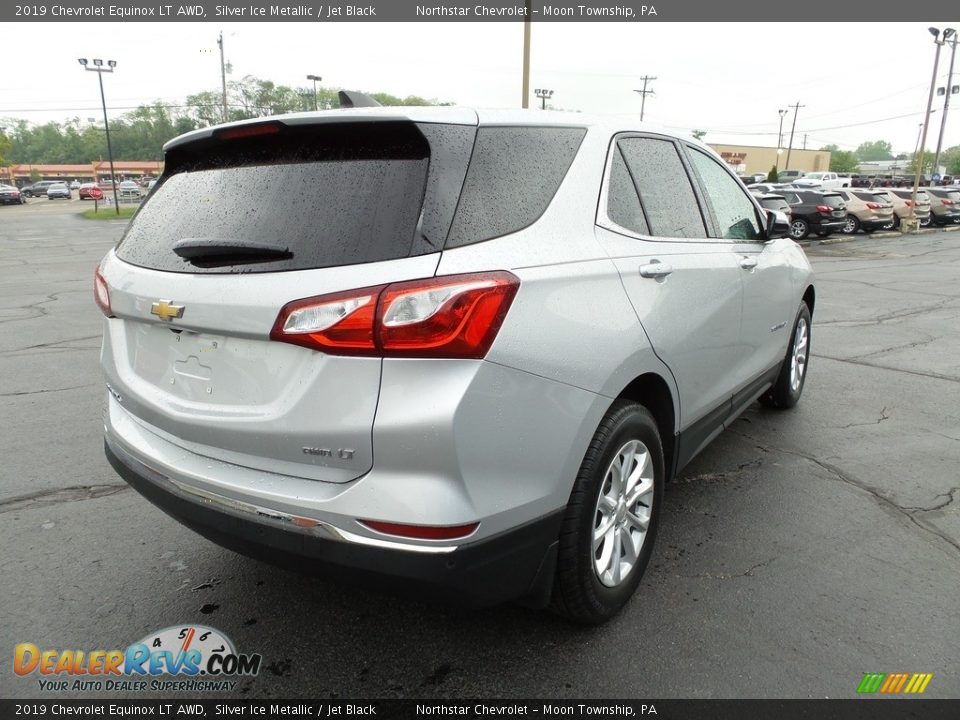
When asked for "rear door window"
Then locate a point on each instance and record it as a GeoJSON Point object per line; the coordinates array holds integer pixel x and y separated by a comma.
{"type": "Point", "coordinates": [666, 194]}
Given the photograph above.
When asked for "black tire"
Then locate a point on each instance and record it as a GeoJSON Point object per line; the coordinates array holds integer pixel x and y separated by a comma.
{"type": "Point", "coordinates": [853, 224]}
{"type": "Point", "coordinates": [783, 394]}
{"type": "Point", "coordinates": [926, 223]}
{"type": "Point", "coordinates": [578, 592]}
{"type": "Point", "coordinates": [799, 229]}
{"type": "Point", "coordinates": [896, 222]}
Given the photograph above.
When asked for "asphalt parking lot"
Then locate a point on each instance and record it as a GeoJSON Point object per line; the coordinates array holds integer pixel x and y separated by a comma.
{"type": "Point", "coordinates": [800, 551]}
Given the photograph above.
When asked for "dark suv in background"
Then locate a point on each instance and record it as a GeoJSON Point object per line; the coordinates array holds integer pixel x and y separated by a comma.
{"type": "Point", "coordinates": [815, 211]}
{"type": "Point", "coordinates": [38, 189]}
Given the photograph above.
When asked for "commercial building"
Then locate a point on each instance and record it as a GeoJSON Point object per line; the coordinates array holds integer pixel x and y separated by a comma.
{"type": "Point", "coordinates": [749, 159]}
{"type": "Point", "coordinates": [97, 171]}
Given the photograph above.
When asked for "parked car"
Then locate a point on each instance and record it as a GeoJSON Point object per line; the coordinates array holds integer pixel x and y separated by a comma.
{"type": "Point", "coordinates": [788, 176]}
{"type": "Point", "coordinates": [129, 189]}
{"type": "Point", "coordinates": [815, 211]}
{"type": "Point", "coordinates": [763, 188]}
{"type": "Point", "coordinates": [902, 200]}
{"type": "Point", "coordinates": [778, 203]}
{"type": "Point", "coordinates": [38, 189]}
{"type": "Point", "coordinates": [944, 205]}
{"type": "Point", "coordinates": [75, 185]}
{"type": "Point", "coordinates": [388, 357]}
{"type": "Point", "coordinates": [865, 211]}
{"type": "Point", "coordinates": [10, 195]}
{"type": "Point", "coordinates": [86, 190]}
{"type": "Point", "coordinates": [825, 180]}
{"type": "Point", "coordinates": [59, 190]}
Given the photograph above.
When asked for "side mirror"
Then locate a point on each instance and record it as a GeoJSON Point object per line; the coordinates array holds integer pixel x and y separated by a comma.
{"type": "Point", "coordinates": [778, 226]}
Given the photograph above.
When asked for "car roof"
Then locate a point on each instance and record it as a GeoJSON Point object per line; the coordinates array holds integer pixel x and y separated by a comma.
{"type": "Point", "coordinates": [772, 196]}
{"type": "Point", "coordinates": [455, 116]}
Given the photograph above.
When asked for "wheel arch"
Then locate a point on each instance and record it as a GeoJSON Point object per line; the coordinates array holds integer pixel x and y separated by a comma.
{"type": "Point", "coordinates": [809, 297]}
{"type": "Point", "coordinates": [653, 392]}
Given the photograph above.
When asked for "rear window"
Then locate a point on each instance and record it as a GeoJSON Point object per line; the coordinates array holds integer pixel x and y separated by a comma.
{"type": "Point", "coordinates": [514, 174]}
{"type": "Point", "coordinates": [834, 201]}
{"type": "Point", "coordinates": [313, 197]}
{"type": "Point", "coordinates": [871, 197]}
{"type": "Point", "coordinates": [951, 195]}
{"type": "Point", "coordinates": [775, 204]}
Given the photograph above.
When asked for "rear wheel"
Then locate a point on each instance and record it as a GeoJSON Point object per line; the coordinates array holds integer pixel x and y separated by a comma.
{"type": "Point", "coordinates": [786, 391]}
{"type": "Point", "coordinates": [851, 226]}
{"type": "Point", "coordinates": [611, 521]}
{"type": "Point", "coordinates": [799, 229]}
{"type": "Point", "coordinates": [925, 222]}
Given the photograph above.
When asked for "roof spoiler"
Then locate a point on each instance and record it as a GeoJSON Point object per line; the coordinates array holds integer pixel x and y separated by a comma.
{"type": "Point", "coordinates": [349, 99]}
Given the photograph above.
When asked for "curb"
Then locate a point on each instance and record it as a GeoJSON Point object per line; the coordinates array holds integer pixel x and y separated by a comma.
{"type": "Point", "coordinates": [883, 235]}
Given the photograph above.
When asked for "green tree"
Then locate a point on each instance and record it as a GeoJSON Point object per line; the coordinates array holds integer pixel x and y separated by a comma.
{"type": "Point", "coordinates": [951, 160]}
{"type": "Point", "coordinates": [773, 176]}
{"type": "Point", "coordinates": [5, 146]}
{"type": "Point", "coordinates": [875, 150]}
{"type": "Point", "coordinates": [843, 161]}
{"type": "Point", "coordinates": [923, 160]}
{"type": "Point", "coordinates": [698, 134]}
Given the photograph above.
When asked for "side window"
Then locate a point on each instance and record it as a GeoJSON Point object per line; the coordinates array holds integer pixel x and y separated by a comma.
{"type": "Point", "coordinates": [736, 216]}
{"type": "Point", "coordinates": [667, 197]}
{"type": "Point", "coordinates": [623, 203]}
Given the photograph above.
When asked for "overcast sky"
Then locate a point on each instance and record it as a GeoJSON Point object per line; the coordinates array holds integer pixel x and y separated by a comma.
{"type": "Point", "coordinates": [852, 78]}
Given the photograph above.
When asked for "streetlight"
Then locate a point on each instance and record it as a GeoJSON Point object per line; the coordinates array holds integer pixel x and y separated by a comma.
{"type": "Point", "coordinates": [316, 79]}
{"type": "Point", "coordinates": [938, 39]}
{"type": "Point", "coordinates": [948, 91]}
{"type": "Point", "coordinates": [99, 69]}
{"type": "Point", "coordinates": [544, 95]}
{"type": "Point", "coordinates": [782, 112]}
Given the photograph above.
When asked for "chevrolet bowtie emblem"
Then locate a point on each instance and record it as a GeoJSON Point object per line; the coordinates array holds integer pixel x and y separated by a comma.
{"type": "Point", "coordinates": [165, 311]}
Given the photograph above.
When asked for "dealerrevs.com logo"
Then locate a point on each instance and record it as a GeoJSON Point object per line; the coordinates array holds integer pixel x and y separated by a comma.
{"type": "Point", "coordinates": [190, 658]}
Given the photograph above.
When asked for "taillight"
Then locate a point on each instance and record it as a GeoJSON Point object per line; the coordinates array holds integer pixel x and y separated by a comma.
{"type": "Point", "coordinates": [422, 532]}
{"type": "Point", "coordinates": [908, 203]}
{"type": "Point", "coordinates": [338, 324]}
{"type": "Point", "coordinates": [455, 316]}
{"type": "Point", "coordinates": [824, 208]}
{"type": "Point", "coordinates": [101, 293]}
{"type": "Point", "coordinates": [246, 131]}
{"type": "Point", "coordinates": [948, 202]}
{"type": "Point", "coordinates": [874, 206]}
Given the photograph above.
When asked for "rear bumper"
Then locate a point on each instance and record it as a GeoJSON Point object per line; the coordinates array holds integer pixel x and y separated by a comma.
{"type": "Point", "coordinates": [515, 564]}
{"type": "Point", "coordinates": [876, 223]}
{"type": "Point", "coordinates": [831, 225]}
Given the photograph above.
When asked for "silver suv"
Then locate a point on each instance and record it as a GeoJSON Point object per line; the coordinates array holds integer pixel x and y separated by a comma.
{"type": "Point", "coordinates": [409, 345]}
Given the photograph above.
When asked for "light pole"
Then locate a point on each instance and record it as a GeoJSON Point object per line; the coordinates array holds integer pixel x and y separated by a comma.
{"type": "Point", "coordinates": [316, 79]}
{"type": "Point", "coordinates": [544, 95]}
{"type": "Point", "coordinates": [99, 69]}
{"type": "Point", "coordinates": [782, 112]}
{"type": "Point", "coordinates": [938, 39]}
{"type": "Point", "coordinates": [949, 89]}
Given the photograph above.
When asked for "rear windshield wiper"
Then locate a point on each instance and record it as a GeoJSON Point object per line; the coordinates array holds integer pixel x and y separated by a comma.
{"type": "Point", "coordinates": [210, 252]}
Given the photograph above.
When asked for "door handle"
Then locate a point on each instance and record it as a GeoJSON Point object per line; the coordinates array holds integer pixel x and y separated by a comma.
{"type": "Point", "coordinates": [655, 269]}
{"type": "Point", "coordinates": [748, 263]}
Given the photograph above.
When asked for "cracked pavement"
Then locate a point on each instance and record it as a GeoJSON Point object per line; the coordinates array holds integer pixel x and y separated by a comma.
{"type": "Point", "coordinates": [800, 550]}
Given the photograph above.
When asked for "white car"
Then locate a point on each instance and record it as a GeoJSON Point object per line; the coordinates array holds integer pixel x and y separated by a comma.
{"type": "Point", "coordinates": [825, 180]}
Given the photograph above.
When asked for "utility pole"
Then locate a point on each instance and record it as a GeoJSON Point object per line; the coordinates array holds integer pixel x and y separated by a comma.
{"type": "Point", "coordinates": [525, 103]}
{"type": "Point", "coordinates": [793, 127]}
{"type": "Point", "coordinates": [946, 106]}
{"type": "Point", "coordinates": [643, 93]}
{"type": "Point", "coordinates": [804, 141]}
{"type": "Point", "coordinates": [782, 112]}
{"type": "Point", "coordinates": [223, 77]}
{"type": "Point", "coordinates": [99, 69]}
{"type": "Point", "coordinates": [938, 40]}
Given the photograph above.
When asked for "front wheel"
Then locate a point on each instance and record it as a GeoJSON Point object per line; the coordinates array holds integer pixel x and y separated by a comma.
{"type": "Point", "coordinates": [851, 226]}
{"type": "Point", "coordinates": [925, 222]}
{"type": "Point", "coordinates": [611, 520]}
{"type": "Point", "coordinates": [788, 387]}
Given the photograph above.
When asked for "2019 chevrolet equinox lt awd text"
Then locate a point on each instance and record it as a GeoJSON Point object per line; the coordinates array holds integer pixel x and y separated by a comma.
{"type": "Point", "coordinates": [464, 355]}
